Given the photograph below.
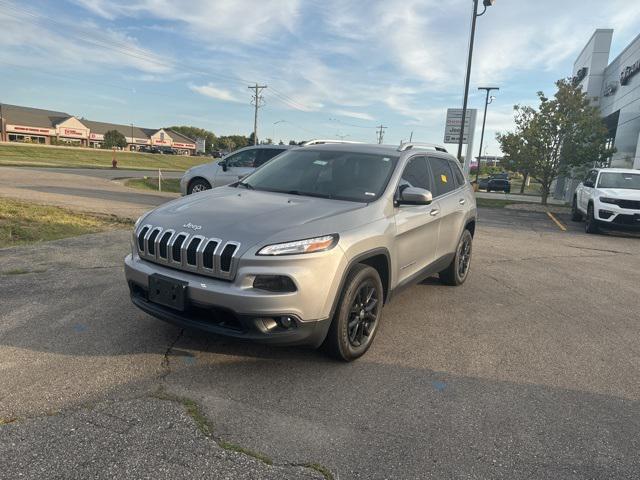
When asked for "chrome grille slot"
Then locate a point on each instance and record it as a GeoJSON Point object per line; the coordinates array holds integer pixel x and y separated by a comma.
{"type": "Point", "coordinates": [176, 249]}
{"type": "Point", "coordinates": [151, 241]}
{"type": "Point", "coordinates": [208, 252]}
{"type": "Point", "coordinates": [226, 256]}
{"type": "Point", "coordinates": [162, 245]}
{"type": "Point", "coordinates": [141, 236]}
{"type": "Point", "coordinates": [191, 251]}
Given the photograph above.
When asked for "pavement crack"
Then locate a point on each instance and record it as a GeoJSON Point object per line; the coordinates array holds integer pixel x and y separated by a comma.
{"type": "Point", "coordinates": [166, 365]}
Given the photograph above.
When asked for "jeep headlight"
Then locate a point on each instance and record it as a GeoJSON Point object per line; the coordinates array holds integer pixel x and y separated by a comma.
{"type": "Point", "coordinates": [309, 245]}
{"type": "Point", "coordinates": [609, 200]}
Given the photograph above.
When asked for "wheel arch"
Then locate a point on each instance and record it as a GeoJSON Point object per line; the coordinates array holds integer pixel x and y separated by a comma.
{"type": "Point", "coordinates": [198, 177]}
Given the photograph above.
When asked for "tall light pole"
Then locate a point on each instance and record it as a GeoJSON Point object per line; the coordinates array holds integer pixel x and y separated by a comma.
{"type": "Point", "coordinates": [487, 101]}
{"type": "Point", "coordinates": [474, 16]}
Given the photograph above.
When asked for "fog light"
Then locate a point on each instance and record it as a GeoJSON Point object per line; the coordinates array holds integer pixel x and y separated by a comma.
{"type": "Point", "coordinates": [286, 322]}
{"type": "Point", "coordinates": [605, 213]}
{"type": "Point", "coordinates": [274, 283]}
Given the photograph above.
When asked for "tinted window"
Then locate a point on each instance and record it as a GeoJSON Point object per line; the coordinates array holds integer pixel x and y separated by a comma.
{"type": "Point", "coordinates": [342, 175]}
{"type": "Point", "coordinates": [457, 173]}
{"type": "Point", "coordinates": [267, 154]}
{"type": "Point", "coordinates": [246, 159]}
{"type": "Point", "coordinates": [591, 177]}
{"type": "Point", "coordinates": [442, 176]}
{"type": "Point", "coordinates": [416, 174]}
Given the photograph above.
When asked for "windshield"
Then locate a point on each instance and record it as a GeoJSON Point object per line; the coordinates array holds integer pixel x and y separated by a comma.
{"type": "Point", "coordinates": [353, 176]}
{"type": "Point", "coordinates": [630, 181]}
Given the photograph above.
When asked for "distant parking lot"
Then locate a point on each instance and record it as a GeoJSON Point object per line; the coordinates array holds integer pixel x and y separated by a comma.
{"type": "Point", "coordinates": [530, 370]}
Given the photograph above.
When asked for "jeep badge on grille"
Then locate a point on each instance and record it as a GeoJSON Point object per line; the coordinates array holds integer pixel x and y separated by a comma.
{"type": "Point", "coordinates": [192, 226]}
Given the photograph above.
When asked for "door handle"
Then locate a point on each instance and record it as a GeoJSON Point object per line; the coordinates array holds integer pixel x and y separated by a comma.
{"type": "Point", "coordinates": [434, 212]}
{"type": "Point", "coordinates": [462, 201]}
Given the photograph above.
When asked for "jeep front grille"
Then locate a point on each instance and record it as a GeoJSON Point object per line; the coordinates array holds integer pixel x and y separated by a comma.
{"type": "Point", "coordinates": [184, 251]}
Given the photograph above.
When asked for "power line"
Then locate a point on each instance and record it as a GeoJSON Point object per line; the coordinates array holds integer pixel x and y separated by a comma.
{"type": "Point", "coordinates": [257, 101]}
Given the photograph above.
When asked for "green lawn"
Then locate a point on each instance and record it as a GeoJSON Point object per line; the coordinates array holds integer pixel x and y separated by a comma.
{"type": "Point", "coordinates": [36, 156]}
{"type": "Point", "coordinates": [23, 223]}
{"type": "Point", "coordinates": [151, 183]}
{"type": "Point", "coordinates": [493, 202]}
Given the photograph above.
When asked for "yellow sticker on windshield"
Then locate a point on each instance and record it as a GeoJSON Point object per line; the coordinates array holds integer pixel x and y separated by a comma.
{"type": "Point", "coordinates": [443, 178]}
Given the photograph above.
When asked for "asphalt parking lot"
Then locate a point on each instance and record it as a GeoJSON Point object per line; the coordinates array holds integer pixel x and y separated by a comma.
{"type": "Point", "coordinates": [529, 370]}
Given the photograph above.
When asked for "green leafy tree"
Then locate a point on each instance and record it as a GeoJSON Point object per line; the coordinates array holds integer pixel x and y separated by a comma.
{"type": "Point", "coordinates": [114, 138]}
{"type": "Point", "coordinates": [565, 132]}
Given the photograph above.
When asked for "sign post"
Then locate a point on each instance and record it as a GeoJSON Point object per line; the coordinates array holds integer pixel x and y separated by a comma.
{"type": "Point", "coordinates": [453, 129]}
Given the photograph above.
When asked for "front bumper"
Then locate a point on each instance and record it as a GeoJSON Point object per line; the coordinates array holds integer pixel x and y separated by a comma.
{"type": "Point", "coordinates": [234, 309]}
{"type": "Point", "coordinates": [613, 216]}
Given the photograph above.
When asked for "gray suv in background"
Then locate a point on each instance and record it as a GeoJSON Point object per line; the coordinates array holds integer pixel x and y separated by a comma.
{"type": "Point", "coordinates": [229, 169]}
{"type": "Point", "coordinates": [307, 249]}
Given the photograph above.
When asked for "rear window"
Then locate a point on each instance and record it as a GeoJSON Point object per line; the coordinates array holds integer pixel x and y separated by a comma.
{"type": "Point", "coordinates": [443, 179]}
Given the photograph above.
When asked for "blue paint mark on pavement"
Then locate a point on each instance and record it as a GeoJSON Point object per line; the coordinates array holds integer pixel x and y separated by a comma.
{"type": "Point", "coordinates": [439, 385]}
{"type": "Point", "coordinates": [190, 360]}
{"type": "Point", "coordinates": [79, 328]}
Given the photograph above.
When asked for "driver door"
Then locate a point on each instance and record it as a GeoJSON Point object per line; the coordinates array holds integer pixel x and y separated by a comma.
{"type": "Point", "coordinates": [417, 226]}
{"type": "Point", "coordinates": [239, 165]}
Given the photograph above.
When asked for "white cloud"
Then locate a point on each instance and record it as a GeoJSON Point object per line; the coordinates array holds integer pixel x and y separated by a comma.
{"type": "Point", "coordinates": [352, 114]}
{"type": "Point", "coordinates": [212, 91]}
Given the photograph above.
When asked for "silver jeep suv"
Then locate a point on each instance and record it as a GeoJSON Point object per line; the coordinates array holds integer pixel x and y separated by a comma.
{"type": "Point", "coordinates": [308, 248]}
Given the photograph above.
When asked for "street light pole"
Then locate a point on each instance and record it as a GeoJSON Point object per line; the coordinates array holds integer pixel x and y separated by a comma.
{"type": "Point", "coordinates": [487, 101]}
{"type": "Point", "coordinates": [474, 16]}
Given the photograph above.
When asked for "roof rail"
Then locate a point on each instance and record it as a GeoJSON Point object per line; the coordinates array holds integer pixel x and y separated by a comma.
{"type": "Point", "coordinates": [425, 146]}
{"type": "Point", "coordinates": [320, 141]}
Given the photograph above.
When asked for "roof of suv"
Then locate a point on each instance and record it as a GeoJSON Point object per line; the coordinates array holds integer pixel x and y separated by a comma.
{"type": "Point", "coordinates": [372, 148]}
{"type": "Point", "coordinates": [618, 170]}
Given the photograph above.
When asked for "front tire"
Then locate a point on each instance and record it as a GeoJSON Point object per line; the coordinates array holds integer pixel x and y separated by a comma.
{"type": "Point", "coordinates": [356, 319]}
{"type": "Point", "coordinates": [458, 270]}
{"type": "Point", "coordinates": [576, 216]}
{"type": "Point", "coordinates": [592, 224]}
{"type": "Point", "coordinates": [198, 185]}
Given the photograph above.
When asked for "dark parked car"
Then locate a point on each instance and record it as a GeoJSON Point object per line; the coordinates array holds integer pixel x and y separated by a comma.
{"type": "Point", "coordinates": [498, 185]}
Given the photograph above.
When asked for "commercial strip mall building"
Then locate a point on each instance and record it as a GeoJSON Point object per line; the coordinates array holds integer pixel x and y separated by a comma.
{"type": "Point", "coordinates": [614, 87]}
{"type": "Point", "coordinates": [46, 127]}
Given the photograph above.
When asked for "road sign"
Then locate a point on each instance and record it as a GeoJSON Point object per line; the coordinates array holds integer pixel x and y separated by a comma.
{"type": "Point", "coordinates": [453, 123]}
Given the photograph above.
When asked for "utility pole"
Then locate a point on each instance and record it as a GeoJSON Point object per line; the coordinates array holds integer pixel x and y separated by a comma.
{"type": "Point", "coordinates": [1, 124]}
{"type": "Point", "coordinates": [257, 101]}
{"type": "Point", "coordinates": [380, 133]}
{"type": "Point", "coordinates": [487, 101]}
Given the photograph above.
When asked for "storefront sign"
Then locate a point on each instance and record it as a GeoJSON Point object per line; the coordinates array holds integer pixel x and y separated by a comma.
{"type": "Point", "coordinates": [610, 89]}
{"type": "Point", "coordinates": [72, 132]}
{"type": "Point", "coordinates": [629, 72]}
{"type": "Point", "coordinates": [184, 145]}
{"type": "Point", "coordinates": [24, 129]}
{"type": "Point", "coordinates": [454, 122]}
{"type": "Point", "coordinates": [96, 136]}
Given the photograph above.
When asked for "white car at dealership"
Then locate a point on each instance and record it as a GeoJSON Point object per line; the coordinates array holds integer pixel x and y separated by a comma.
{"type": "Point", "coordinates": [608, 197]}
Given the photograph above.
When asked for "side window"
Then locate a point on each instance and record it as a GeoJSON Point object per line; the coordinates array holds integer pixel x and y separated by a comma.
{"type": "Point", "coordinates": [416, 174]}
{"type": "Point", "coordinates": [244, 159]}
{"type": "Point", "coordinates": [457, 173]}
{"type": "Point", "coordinates": [442, 176]}
{"type": "Point", "coordinates": [266, 154]}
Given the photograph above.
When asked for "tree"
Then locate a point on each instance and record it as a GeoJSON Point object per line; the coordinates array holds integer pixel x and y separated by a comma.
{"type": "Point", "coordinates": [114, 138]}
{"type": "Point", "coordinates": [565, 132]}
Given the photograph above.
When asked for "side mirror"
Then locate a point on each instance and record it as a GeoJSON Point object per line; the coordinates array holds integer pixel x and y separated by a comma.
{"type": "Point", "coordinates": [415, 196]}
{"type": "Point", "coordinates": [224, 166]}
{"type": "Point", "coordinates": [588, 183]}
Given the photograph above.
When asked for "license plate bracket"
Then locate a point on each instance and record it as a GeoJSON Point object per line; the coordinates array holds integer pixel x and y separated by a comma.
{"type": "Point", "coordinates": [167, 291]}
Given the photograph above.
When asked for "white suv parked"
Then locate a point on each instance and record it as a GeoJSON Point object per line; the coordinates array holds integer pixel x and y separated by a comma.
{"type": "Point", "coordinates": [608, 197]}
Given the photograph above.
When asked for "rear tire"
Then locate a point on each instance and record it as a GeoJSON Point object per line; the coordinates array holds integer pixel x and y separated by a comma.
{"type": "Point", "coordinates": [576, 216]}
{"type": "Point", "coordinates": [357, 316]}
{"type": "Point", "coordinates": [198, 185]}
{"type": "Point", "coordinates": [458, 270]}
{"type": "Point", "coordinates": [591, 226]}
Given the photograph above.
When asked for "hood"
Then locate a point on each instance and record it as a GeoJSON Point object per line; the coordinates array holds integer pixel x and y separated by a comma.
{"type": "Point", "coordinates": [621, 193]}
{"type": "Point", "coordinates": [249, 217]}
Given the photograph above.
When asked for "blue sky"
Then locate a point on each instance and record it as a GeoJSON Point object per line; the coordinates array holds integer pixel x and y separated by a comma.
{"type": "Point", "coordinates": [333, 67]}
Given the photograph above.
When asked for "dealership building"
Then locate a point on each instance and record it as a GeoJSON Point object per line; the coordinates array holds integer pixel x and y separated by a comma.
{"type": "Point", "coordinates": [614, 87]}
{"type": "Point", "coordinates": [47, 127]}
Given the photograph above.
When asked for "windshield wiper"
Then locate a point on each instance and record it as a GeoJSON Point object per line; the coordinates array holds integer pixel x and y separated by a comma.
{"type": "Point", "coordinates": [246, 185]}
{"type": "Point", "coordinates": [307, 194]}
